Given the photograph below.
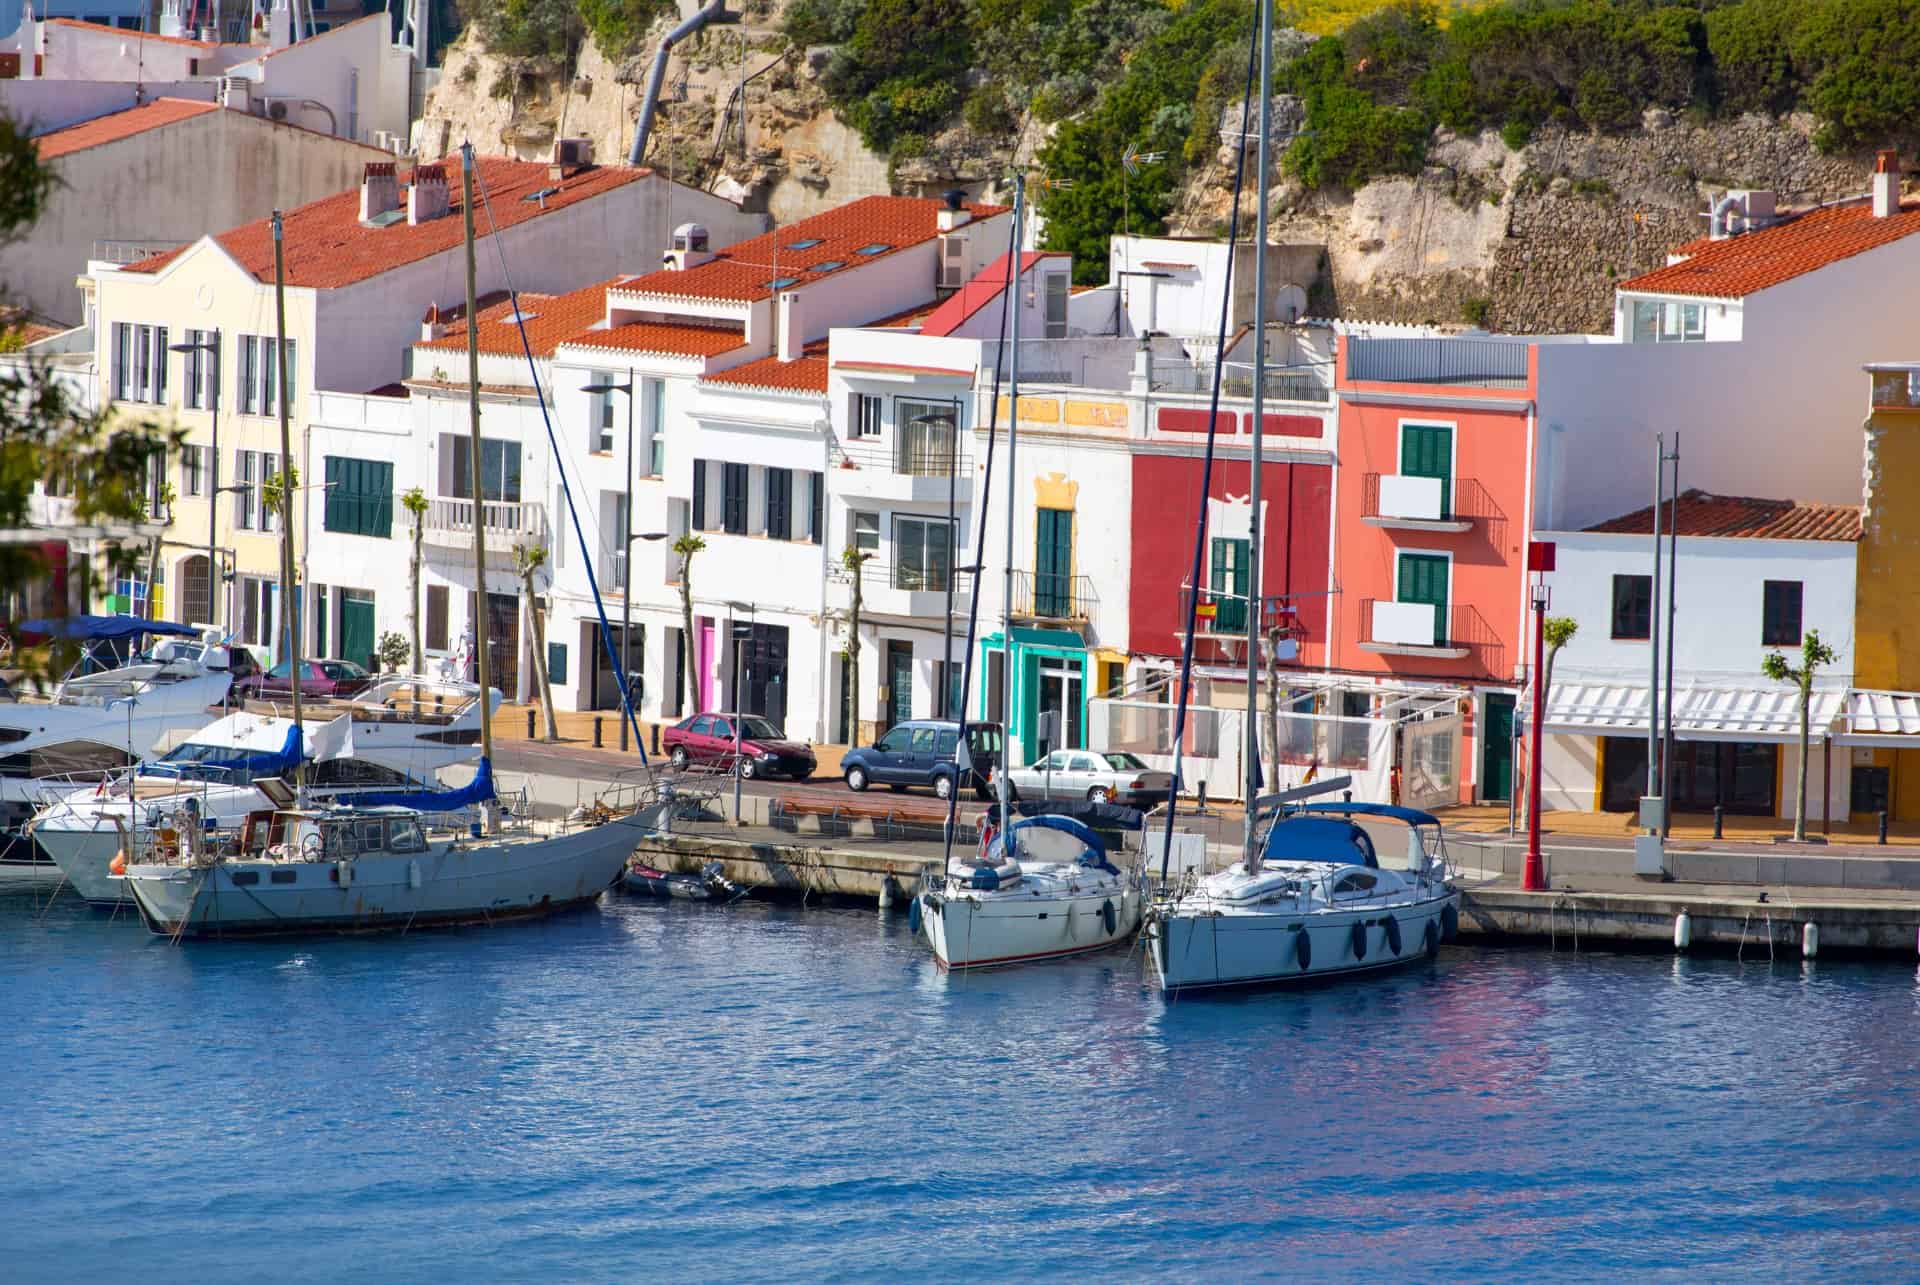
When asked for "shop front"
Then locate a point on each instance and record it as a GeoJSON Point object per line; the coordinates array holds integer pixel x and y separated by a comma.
{"type": "Point", "coordinates": [1051, 675]}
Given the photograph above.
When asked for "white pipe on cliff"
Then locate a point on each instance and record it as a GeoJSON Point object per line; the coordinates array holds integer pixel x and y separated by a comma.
{"type": "Point", "coordinates": [707, 13]}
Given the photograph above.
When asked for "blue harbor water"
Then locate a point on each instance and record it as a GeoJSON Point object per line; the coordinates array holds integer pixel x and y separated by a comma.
{"type": "Point", "coordinates": [662, 1091]}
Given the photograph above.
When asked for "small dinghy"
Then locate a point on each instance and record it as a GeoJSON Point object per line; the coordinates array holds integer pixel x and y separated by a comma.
{"type": "Point", "coordinates": [710, 884]}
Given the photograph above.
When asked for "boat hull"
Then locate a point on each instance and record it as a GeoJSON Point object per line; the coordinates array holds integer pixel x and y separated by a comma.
{"type": "Point", "coordinates": [466, 883]}
{"type": "Point", "coordinates": [82, 856]}
{"type": "Point", "coordinates": [991, 931]}
{"type": "Point", "coordinates": [1199, 951]}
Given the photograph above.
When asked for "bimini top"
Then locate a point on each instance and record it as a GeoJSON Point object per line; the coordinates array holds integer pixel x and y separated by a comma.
{"type": "Point", "coordinates": [1321, 840]}
{"type": "Point", "coordinates": [94, 628]}
{"type": "Point", "coordinates": [1412, 816]}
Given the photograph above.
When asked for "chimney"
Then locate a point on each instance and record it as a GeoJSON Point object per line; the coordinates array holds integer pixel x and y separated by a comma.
{"type": "Point", "coordinates": [427, 197]}
{"type": "Point", "coordinates": [955, 213]}
{"type": "Point", "coordinates": [789, 343]}
{"type": "Point", "coordinates": [570, 156]}
{"type": "Point", "coordinates": [1886, 184]}
{"type": "Point", "coordinates": [379, 191]}
{"type": "Point", "coordinates": [689, 248]}
{"type": "Point", "coordinates": [431, 325]}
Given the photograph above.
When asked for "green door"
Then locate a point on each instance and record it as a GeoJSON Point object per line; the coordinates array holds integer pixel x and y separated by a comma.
{"type": "Point", "coordinates": [1496, 748]}
{"type": "Point", "coordinates": [1228, 584]}
{"type": "Point", "coordinates": [356, 628]}
{"type": "Point", "coordinates": [1053, 563]}
{"type": "Point", "coordinates": [1426, 450]}
{"type": "Point", "coordinates": [1423, 578]}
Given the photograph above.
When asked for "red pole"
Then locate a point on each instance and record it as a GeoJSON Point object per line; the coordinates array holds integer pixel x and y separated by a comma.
{"type": "Point", "coordinates": [1533, 879]}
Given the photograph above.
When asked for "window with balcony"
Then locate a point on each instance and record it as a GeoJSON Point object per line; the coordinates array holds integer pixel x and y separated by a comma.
{"type": "Point", "coordinates": [779, 518]}
{"type": "Point", "coordinates": [923, 553]}
{"type": "Point", "coordinates": [1228, 584]}
{"type": "Point", "coordinates": [733, 498]}
{"type": "Point", "coordinates": [1780, 613]}
{"type": "Point", "coordinates": [1053, 562]}
{"type": "Point", "coordinates": [359, 497]}
{"type": "Point", "coordinates": [1632, 608]}
{"type": "Point", "coordinates": [1660, 322]}
{"type": "Point", "coordinates": [1421, 593]}
{"type": "Point", "coordinates": [1425, 481]}
{"type": "Point", "coordinates": [927, 435]}
{"type": "Point", "coordinates": [499, 468]}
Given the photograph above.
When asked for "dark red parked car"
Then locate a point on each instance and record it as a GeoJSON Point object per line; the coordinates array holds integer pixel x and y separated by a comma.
{"type": "Point", "coordinates": [764, 750]}
{"type": "Point", "coordinates": [319, 678]}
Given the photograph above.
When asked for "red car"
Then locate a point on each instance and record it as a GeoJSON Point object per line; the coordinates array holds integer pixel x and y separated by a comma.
{"type": "Point", "coordinates": [764, 750]}
{"type": "Point", "coordinates": [319, 678]}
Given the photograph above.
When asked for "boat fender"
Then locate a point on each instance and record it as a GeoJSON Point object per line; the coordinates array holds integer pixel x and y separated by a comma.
{"type": "Point", "coordinates": [118, 866]}
{"type": "Point", "coordinates": [1449, 923]}
{"type": "Point", "coordinates": [413, 875]}
{"type": "Point", "coordinates": [1360, 940]}
{"type": "Point", "coordinates": [1108, 916]}
{"type": "Point", "coordinates": [914, 915]}
{"type": "Point", "coordinates": [1433, 940]}
{"type": "Point", "coordinates": [1303, 950]}
{"type": "Point", "coordinates": [1392, 926]}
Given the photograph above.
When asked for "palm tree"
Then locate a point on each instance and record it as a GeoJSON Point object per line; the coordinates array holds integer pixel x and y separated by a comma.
{"type": "Point", "coordinates": [527, 560]}
{"type": "Point", "coordinates": [1814, 656]}
{"type": "Point", "coordinates": [853, 559]}
{"type": "Point", "coordinates": [686, 546]}
{"type": "Point", "coordinates": [415, 503]}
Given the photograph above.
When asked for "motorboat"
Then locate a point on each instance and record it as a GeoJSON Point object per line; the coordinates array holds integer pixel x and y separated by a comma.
{"type": "Point", "coordinates": [223, 770]}
{"type": "Point", "coordinates": [95, 724]}
{"type": "Point", "coordinates": [1318, 903]}
{"type": "Point", "coordinates": [1041, 888]}
{"type": "Point", "coordinates": [710, 883]}
{"type": "Point", "coordinates": [353, 869]}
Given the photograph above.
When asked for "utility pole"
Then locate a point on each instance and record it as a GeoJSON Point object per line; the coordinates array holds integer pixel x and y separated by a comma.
{"type": "Point", "coordinates": [289, 600]}
{"type": "Point", "coordinates": [1673, 571]}
{"type": "Point", "coordinates": [1653, 626]}
{"type": "Point", "coordinates": [1254, 776]}
{"type": "Point", "coordinates": [474, 470]}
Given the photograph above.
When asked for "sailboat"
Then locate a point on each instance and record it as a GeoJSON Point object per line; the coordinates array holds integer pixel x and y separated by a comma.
{"type": "Point", "coordinates": [1309, 897]}
{"type": "Point", "coordinates": [297, 867]}
{"type": "Point", "coordinates": [1038, 888]}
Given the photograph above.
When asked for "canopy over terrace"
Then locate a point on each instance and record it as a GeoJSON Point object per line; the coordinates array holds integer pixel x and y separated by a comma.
{"type": "Point", "coordinates": [1701, 712]}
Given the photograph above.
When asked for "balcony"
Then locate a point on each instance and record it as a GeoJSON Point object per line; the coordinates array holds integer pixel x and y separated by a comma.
{"type": "Point", "coordinates": [1416, 629]}
{"type": "Point", "coordinates": [1456, 363]}
{"type": "Point", "coordinates": [899, 471]}
{"type": "Point", "coordinates": [1052, 596]}
{"type": "Point", "coordinates": [1237, 381]}
{"type": "Point", "coordinates": [905, 592]}
{"type": "Point", "coordinates": [505, 523]}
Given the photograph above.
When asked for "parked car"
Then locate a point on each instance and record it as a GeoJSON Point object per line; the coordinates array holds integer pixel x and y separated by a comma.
{"type": "Point", "coordinates": [318, 678]}
{"type": "Point", "coordinates": [1086, 774]}
{"type": "Point", "coordinates": [764, 749]}
{"type": "Point", "coordinates": [921, 752]}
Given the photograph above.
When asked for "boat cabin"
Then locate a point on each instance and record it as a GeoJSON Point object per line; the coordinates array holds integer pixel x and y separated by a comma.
{"type": "Point", "coordinates": [295, 834]}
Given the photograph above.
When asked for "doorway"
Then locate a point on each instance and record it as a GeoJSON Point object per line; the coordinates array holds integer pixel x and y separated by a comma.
{"type": "Point", "coordinates": [899, 704]}
{"type": "Point", "coordinates": [356, 628]}
{"type": "Point", "coordinates": [1496, 748]}
{"type": "Point", "coordinates": [502, 636]}
{"type": "Point", "coordinates": [1060, 694]}
{"type": "Point", "coordinates": [764, 674]}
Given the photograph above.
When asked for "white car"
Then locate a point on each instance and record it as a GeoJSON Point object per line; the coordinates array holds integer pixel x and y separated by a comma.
{"type": "Point", "coordinates": [1086, 774]}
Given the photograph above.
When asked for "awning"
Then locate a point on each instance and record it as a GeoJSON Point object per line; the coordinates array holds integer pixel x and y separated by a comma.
{"type": "Point", "coordinates": [1701, 712]}
{"type": "Point", "coordinates": [1886, 719]}
{"type": "Point", "coordinates": [1067, 639]}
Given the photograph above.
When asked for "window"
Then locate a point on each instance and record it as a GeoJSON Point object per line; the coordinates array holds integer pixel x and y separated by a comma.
{"type": "Point", "coordinates": [1056, 293]}
{"type": "Point", "coordinates": [359, 497]}
{"type": "Point", "coordinates": [733, 498]}
{"type": "Point", "coordinates": [602, 415]}
{"type": "Point", "coordinates": [926, 434]}
{"type": "Point", "coordinates": [1426, 450]}
{"type": "Point", "coordinates": [256, 610]}
{"type": "Point", "coordinates": [895, 741]}
{"type": "Point", "coordinates": [780, 504]}
{"type": "Point", "coordinates": [816, 506]}
{"type": "Point", "coordinates": [202, 370]}
{"type": "Point", "coordinates": [1780, 613]}
{"type": "Point", "coordinates": [499, 468]}
{"type": "Point", "coordinates": [140, 362]}
{"type": "Point", "coordinates": [1227, 585]}
{"type": "Point", "coordinates": [653, 405]}
{"type": "Point", "coordinates": [436, 639]}
{"type": "Point", "coordinates": [699, 509]}
{"type": "Point", "coordinates": [866, 415]}
{"type": "Point", "coordinates": [922, 553]}
{"type": "Point", "coordinates": [260, 375]}
{"type": "Point", "coordinates": [863, 532]}
{"type": "Point", "coordinates": [1632, 607]}
{"type": "Point", "coordinates": [193, 470]}
{"type": "Point", "coordinates": [1424, 579]}
{"type": "Point", "coordinates": [1660, 322]}
{"type": "Point", "coordinates": [246, 501]}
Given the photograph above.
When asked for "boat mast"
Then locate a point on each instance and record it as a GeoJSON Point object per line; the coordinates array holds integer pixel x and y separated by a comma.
{"type": "Point", "coordinates": [474, 467]}
{"type": "Point", "coordinates": [1255, 600]}
{"type": "Point", "coordinates": [1013, 489]}
{"type": "Point", "coordinates": [289, 603]}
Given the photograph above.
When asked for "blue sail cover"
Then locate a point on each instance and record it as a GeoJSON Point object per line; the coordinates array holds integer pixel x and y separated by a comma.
{"type": "Point", "coordinates": [478, 790]}
{"type": "Point", "coordinates": [244, 765]}
{"type": "Point", "coordinates": [98, 628]}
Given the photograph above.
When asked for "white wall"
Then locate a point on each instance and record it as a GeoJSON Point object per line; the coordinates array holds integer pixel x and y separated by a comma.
{"type": "Point", "coordinates": [355, 70]}
{"type": "Point", "coordinates": [46, 105]}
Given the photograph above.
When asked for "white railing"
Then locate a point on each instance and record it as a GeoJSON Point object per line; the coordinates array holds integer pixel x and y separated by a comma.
{"type": "Point", "coordinates": [505, 522]}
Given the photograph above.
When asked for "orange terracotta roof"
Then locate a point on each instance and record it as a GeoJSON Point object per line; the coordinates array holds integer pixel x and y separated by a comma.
{"type": "Point", "coordinates": [124, 34]}
{"type": "Point", "coordinates": [115, 126]}
{"type": "Point", "coordinates": [551, 320]}
{"type": "Point", "coordinates": [743, 272]}
{"type": "Point", "coordinates": [911, 317]}
{"type": "Point", "coordinates": [662, 338]}
{"type": "Point", "coordinates": [327, 247]}
{"type": "Point", "coordinates": [979, 292]}
{"type": "Point", "coordinates": [1741, 517]}
{"type": "Point", "coordinates": [806, 373]}
{"type": "Point", "coordinates": [1737, 266]}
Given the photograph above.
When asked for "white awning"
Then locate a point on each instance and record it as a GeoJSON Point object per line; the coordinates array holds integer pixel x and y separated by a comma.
{"type": "Point", "coordinates": [1880, 718]}
{"type": "Point", "coordinates": [1701, 712]}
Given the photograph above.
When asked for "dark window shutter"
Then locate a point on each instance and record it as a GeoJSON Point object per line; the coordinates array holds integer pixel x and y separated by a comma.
{"type": "Point", "coordinates": [698, 521]}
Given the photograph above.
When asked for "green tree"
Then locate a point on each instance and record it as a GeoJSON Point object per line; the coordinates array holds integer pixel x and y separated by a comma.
{"type": "Point", "coordinates": [392, 651]}
{"type": "Point", "coordinates": [1557, 631]}
{"type": "Point", "coordinates": [1815, 655]}
{"type": "Point", "coordinates": [686, 546]}
{"type": "Point", "coordinates": [415, 503]}
{"type": "Point", "coordinates": [527, 560]}
{"type": "Point", "coordinates": [855, 561]}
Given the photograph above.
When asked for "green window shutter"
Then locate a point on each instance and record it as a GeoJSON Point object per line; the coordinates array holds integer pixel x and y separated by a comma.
{"type": "Point", "coordinates": [1426, 450]}
{"type": "Point", "coordinates": [336, 505]}
{"type": "Point", "coordinates": [556, 662]}
{"type": "Point", "coordinates": [1053, 562]}
{"type": "Point", "coordinates": [1231, 561]}
{"type": "Point", "coordinates": [380, 497]}
{"type": "Point", "coordinates": [1423, 578]}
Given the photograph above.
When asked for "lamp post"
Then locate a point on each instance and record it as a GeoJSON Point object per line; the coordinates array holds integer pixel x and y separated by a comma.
{"type": "Point", "coordinates": [739, 711]}
{"type": "Point", "coordinates": [951, 420]}
{"type": "Point", "coordinates": [1533, 877]}
{"type": "Point", "coordinates": [211, 346]}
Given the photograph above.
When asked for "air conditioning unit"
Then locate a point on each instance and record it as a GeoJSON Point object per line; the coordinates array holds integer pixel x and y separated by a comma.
{"type": "Point", "coordinates": [236, 92]}
{"type": "Point", "coordinates": [277, 110]}
{"type": "Point", "coordinates": [573, 151]}
{"type": "Point", "coordinates": [953, 262]}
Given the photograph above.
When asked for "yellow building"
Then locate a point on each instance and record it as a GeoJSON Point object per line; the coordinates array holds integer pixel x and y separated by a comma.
{"type": "Point", "coordinates": [1887, 608]}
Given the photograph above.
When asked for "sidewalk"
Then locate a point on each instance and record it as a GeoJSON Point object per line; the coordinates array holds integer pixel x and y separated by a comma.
{"type": "Point", "coordinates": [576, 729]}
{"type": "Point", "coordinates": [1688, 827]}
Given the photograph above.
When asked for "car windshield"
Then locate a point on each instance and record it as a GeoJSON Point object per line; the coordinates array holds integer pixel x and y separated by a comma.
{"type": "Point", "coordinates": [1124, 763]}
{"type": "Point", "coordinates": [759, 729]}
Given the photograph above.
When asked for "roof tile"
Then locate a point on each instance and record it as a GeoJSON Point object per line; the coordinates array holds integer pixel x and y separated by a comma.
{"type": "Point", "coordinates": [1738, 266]}
{"type": "Point", "coordinates": [806, 373]}
{"type": "Point", "coordinates": [115, 126]}
{"type": "Point", "coordinates": [1743, 517]}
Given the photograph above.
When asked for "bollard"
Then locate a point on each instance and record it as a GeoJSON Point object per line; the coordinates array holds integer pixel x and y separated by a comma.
{"type": "Point", "coordinates": [1346, 796]}
{"type": "Point", "coordinates": [1883, 826]}
{"type": "Point", "coordinates": [529, 724]}
{"type": "Point", "coordinates": [656, 740]}
{"type": "Point", "coordinates": [1719, 821]}
{"type": "Point", "coordinates": [1201, 806]}
{"type": "Point", "coordinates": [599, 733]}
{"type": "Point", "coordinates": [623, 735]}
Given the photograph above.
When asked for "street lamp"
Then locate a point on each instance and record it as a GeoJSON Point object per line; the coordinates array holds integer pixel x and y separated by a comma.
{"type": "Point", "coordinates": [213, 490]}
{"type": "Point", "coordinates": [951, 420]}
{"type": "Point", "coordinates": [733, 636]}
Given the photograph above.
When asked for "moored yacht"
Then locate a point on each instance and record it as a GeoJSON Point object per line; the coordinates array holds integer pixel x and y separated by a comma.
{"type": "Point", "coordinates": [1317, 903]}
{"type": "Point", "coordinates": [1043, 888]}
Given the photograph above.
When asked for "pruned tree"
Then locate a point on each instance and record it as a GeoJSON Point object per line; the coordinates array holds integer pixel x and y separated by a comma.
{"type": "Point", "coordinates": [1815, 655]}
{"type": "Point", "coordinates": [527, 560]}
{"type": "Point", "coordinates": [415, 503]}
{"type": "Point", "coordinates": [686, 546]}
{"type": "Point", "coordinates": [1557, 631]}
{"type": "Point", "coordinates": [854, 560]}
